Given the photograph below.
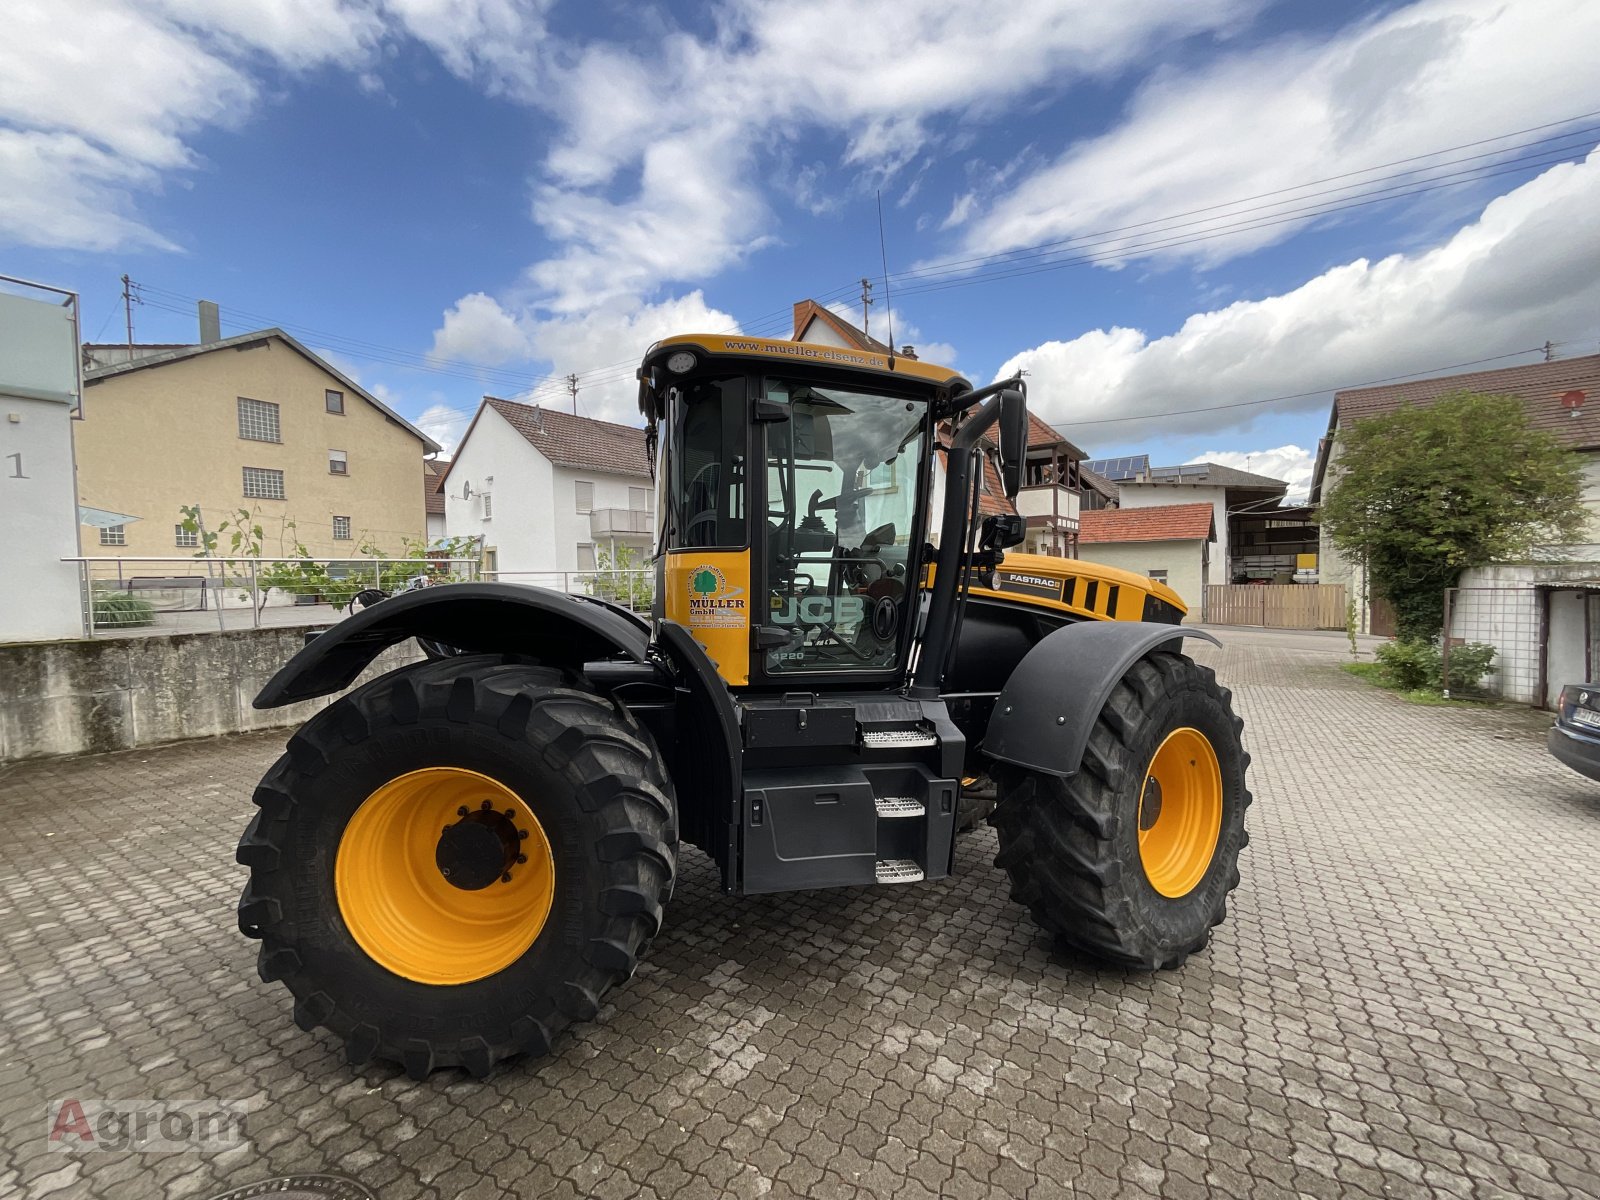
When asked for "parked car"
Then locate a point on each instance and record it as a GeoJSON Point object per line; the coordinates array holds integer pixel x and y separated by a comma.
{"type": "Point", "coordinates": [1575, 737]}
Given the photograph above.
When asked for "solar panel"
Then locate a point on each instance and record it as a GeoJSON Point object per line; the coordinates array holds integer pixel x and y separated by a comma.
{"type": "Point", "coordinates": [1129, 466]}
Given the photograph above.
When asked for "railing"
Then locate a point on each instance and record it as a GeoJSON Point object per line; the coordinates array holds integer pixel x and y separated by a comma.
{"type": "Point", "coordinates": [135, 596]}
{"type": "Point", "coordinates": [146, 595]}
{"type": "Point", "coordinates": [606, 521]}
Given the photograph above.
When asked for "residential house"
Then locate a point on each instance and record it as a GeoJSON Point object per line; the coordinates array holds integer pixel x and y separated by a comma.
{"type": "Point", "coordinates": [255, 422]}
{"type": "Point", "coordinates": [1051, 496]}
{"type": "Point", "coordinates": [1543, 617]}
{"type": "Point", "coordinates": [433, 473]}
{"type": "Point", "coordinates": [822, 326]}
{"type": "Point", "coordinates": [39, 594]}
{"type": "Point", "coordinates": [1168, 542]}
{"type": "Point", "coordinates": [549, 493]}
{"type": "Point", "coordinates": [1234, 496]}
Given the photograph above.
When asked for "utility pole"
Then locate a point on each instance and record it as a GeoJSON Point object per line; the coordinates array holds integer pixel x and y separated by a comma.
{"type": "Point", "coordinates": [866, 302]}
{"type": "Point", "coordinates": [127, 309]}
{"type": "Point", "coordinates": [1549, 351]}
{"type": "Point", "coordinates": [572, 386]}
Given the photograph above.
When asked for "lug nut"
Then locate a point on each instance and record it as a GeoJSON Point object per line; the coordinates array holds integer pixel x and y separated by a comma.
{"type": "Point", "coordinates": [522, 833]}
{"type": "Point", "coordinates": [487, 805]}
{"type": "Point", "coordinates": [522, 858]}
{"type": "Point", "coordinates": [511, 813]}
{"type": "Point", "coordinates": [462, 811]}
{"type": "Point", "coordinates": [506, 878]}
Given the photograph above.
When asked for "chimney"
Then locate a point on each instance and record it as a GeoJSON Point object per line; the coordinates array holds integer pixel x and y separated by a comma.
{"type": "Point", "coordinates": [210, 322]}
{"type": "Point", "coordinates": [908, 352]}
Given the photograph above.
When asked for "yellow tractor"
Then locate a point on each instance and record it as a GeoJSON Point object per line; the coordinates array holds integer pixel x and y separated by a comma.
{"type": "Point", "coordinates": [456, 860]}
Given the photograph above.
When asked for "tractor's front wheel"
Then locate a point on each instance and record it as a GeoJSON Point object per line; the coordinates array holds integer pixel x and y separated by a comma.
{"type": "Point", "coordinates": [1132, 858]}
{"type": "Point", "coordinates": [457, 860]}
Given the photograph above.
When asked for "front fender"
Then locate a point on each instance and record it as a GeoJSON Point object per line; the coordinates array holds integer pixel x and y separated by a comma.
{"type": "Point", "coordinates": [493, 618]}
{"type": "Point", "coordinates": [1052, 700]}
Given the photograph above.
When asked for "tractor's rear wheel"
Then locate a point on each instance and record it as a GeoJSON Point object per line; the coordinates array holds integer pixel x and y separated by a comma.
{"type": "Point", "coordinates": [1132, 858]}
{"type": "Point", "coordinates": [456, 861]}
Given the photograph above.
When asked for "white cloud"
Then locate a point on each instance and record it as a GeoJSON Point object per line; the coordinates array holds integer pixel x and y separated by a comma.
{"type": "Point", "coordinates": [1409, 83]}
{"type": "Point", "coordinates": [496, 43]}
{"type": "Point", "coordinates": [1522, 273]}
{"type": "Point", "coordinates": [58, 190]}
{"type": "Point", "coordinates": [476, 329]}
{"type": "Point", "coordinates": [444, 425]}
{"type": "Point", "coordinates": [1292, 464]}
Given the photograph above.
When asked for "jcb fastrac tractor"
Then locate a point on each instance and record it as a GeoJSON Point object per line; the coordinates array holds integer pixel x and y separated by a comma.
{"type": "Point", "coordinates": [456, 860]}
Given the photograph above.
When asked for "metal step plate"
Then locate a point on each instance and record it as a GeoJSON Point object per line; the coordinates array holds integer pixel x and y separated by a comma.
{"type": "Point", "coordinates": [898, 738]}
{"type": "Point", "coordinates": [899, 806]}
{"type": "Point", "coordinates": [898, 870]}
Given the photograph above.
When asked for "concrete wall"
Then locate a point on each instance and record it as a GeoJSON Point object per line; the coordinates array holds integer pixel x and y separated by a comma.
{"type": "Point", "coordinates": [1186, 564]}
{"type": "Point", "coordinates": [159, 438]}
{"type": "Point", "coordinates": [78, 697]}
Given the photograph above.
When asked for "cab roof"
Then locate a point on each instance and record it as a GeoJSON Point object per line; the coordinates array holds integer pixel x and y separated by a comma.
{"type": "Point", "coordinates": [780, 350]}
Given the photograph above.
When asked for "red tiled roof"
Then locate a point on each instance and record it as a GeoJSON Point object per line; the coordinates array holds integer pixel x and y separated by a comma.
{"type": "Point", "coordinates": [1159, 523]}
{"type": "Point", "coordinates": [433, 473]}
{"type": "Point", "coordinates": [806, 311]}
{"type": "Point", "coordinates": [1540, 386]}
{"type": "Point", "coordinates": [573, 441]}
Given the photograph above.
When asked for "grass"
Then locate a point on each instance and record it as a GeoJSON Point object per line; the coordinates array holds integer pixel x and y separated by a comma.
{"type": "Point", "coordinates": [1373, 673]}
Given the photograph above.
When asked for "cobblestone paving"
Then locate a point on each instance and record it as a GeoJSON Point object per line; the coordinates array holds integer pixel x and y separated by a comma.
{"type": "Point", "coordinates": [1404, 1002]}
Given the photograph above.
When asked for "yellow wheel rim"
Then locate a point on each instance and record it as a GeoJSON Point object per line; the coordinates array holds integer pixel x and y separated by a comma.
{"type": "Point", "coordinates": [1180, 812]}
{"type": "Point", "coordinates": [392, 876]}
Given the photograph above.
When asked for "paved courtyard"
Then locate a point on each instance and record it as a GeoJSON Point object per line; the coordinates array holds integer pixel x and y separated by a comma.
{"type": "Point", "coordinates": [1405, 1001]}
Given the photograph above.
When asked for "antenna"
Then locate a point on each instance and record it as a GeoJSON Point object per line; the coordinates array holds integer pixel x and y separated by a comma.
{"type": "Point", "coordinates": [883, 248]}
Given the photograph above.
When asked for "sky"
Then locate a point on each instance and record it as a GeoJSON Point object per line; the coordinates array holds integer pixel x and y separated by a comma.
{"type": "Point", "coordinates": [1188, 221]}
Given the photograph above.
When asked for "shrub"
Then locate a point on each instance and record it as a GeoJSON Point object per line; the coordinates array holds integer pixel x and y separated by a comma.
{"type": "Point", "coordinates": [1418, 665]}
{"type": "Point", "coordinates": [119, 610]}
{"type": "Point", "coordinates": [1469, 663]}
{"type": "Point", "coordinates": [1409, 665]}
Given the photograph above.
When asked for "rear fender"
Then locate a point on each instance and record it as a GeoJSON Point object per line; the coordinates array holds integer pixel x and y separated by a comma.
{"type": "Point", "coordinates": [1052, 700]}
{"type": "Point", "coordinates": [494, 618]}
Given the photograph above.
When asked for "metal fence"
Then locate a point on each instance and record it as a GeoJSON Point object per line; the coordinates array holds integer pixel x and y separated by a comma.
{"type": "Point", "coordinates": [1512, 621]}
{"type": "Point", "coordinates": [136, 596]}
{"type": "Point", "coordinates": [1275, 605]}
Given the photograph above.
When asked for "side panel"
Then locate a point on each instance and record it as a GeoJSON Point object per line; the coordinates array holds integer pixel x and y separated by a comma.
{"type": "Point", "coordinates": [708, 593]}
{"type": "Point", "coordinates": [1052, 700]}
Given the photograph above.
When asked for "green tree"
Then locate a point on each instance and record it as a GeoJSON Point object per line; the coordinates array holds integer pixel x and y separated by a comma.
{"type": "Point", "coordinates": [1424, 494]}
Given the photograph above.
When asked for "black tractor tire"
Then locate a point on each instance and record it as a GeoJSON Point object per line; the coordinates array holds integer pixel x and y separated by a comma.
{"type": "Point", "coordinates": [583, 765]}
{"type": "Point", "coordinates": [1071, 846]}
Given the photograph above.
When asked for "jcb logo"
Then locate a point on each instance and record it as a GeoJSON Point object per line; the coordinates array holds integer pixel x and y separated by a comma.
{"type": "Point", "coordinates": [821, 610]}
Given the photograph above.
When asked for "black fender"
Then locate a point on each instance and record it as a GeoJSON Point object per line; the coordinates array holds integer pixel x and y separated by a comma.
{"type": "Point", "coordinates": [492, 618]}
{"type": "Point", "coordinates": [1047, 708]}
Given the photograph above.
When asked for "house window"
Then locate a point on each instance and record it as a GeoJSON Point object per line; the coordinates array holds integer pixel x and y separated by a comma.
{"type": "Point", "coordinates": [334, 401]}
{"type": "Point", "coordinates": [338, 462]}
{"type": "Point", "coordinates": [258, 420]}
{"type": "Point", "coordinates": [639, 499]}
{"type": "Point", "coordinates": [113, 535]}
{"type": "Point", "coordinates": [585, 556]}
{"type": "Point", "coordinates": [585, 495]}
{"type": "Point", "coordinates": [185, 539]}
{"type": "Point", "coordinates": [1159, 575]}
{"type": "Point", "coordinates": [488, 506]}
{"type": "Point", "coordinates": [341, 529]}
{"type": "Point", "coordinates": [263, 483]}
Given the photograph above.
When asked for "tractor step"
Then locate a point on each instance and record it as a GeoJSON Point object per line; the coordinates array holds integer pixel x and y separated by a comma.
{"type": "Point", "coordinates": [897, 739]}
{"type": "Point", "coordinates": [899, 806]}
{"type": "Point", "coordinates": [899, 870]}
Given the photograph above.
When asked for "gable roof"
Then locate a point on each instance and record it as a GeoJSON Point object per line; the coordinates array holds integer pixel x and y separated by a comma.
{"type": "Point", "coordinates": [1099, 483]}
{"type": "Point", "coordinates": [1158, 523]}
{"type": "Point", "coordinates": [433, 472]}
{"type": "Point", "coordinates": [573, 441]}
{"type": "Point", "coordinates": [1540, 386]}
{"type": "Point", "coordinates": [245, 341]}
{"type": "Point", "coordinates": [807, 311]}
{"type": "Point", "coordinates": [1208, 474]}
{"type": "Point", "coordinates": [1041, 433]}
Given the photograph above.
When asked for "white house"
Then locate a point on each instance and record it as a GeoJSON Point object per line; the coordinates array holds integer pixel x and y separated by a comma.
{"type": "Point", "coordinates": [548, 492]}
{"type": "Point", "coordinates": [1231, 493]}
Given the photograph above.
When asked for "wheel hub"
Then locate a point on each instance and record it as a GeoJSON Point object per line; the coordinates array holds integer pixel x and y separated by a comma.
{"type": "Point", "coordinates": [1180, 812]}
{"type": "Point", "coordinates": [483, 846]}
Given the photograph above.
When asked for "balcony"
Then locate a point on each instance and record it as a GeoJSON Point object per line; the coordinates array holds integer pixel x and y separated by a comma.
{"type": "Point", "coordinates": [620, 522]}
{"type": "Point", "coordinates": [1055, 504]}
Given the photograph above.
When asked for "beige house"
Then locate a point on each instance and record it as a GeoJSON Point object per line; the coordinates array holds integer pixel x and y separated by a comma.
{"type": "Point", "coordinates": [1170, 543]}
{"type": "Point", "coordinates": [255, 422]}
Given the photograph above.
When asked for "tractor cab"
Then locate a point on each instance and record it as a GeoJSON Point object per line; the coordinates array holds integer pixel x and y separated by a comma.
{"type": "Point", "coordinates": [799, 504]}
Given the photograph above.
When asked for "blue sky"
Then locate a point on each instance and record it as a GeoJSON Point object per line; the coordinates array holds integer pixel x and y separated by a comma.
{"type": "Point", "coordinates": [453, 197]}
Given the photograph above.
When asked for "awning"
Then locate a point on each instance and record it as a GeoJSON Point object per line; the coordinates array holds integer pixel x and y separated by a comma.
{"type": "Point", "coordinates": [103, 518]}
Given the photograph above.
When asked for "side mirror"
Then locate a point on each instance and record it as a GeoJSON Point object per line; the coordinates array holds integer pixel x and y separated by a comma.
{"type": "Point", "coordinates": [1002, 530]}
{"type": "Point", "coordinates": [1013, 441]}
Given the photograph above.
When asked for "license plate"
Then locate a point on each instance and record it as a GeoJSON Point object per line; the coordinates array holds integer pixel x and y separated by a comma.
{"type": "Point", "coordinates": [1584, 717]}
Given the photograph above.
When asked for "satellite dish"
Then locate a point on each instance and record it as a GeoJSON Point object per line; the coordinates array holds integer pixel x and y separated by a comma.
{"type": "Point", "coordinates": [466, 491]}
